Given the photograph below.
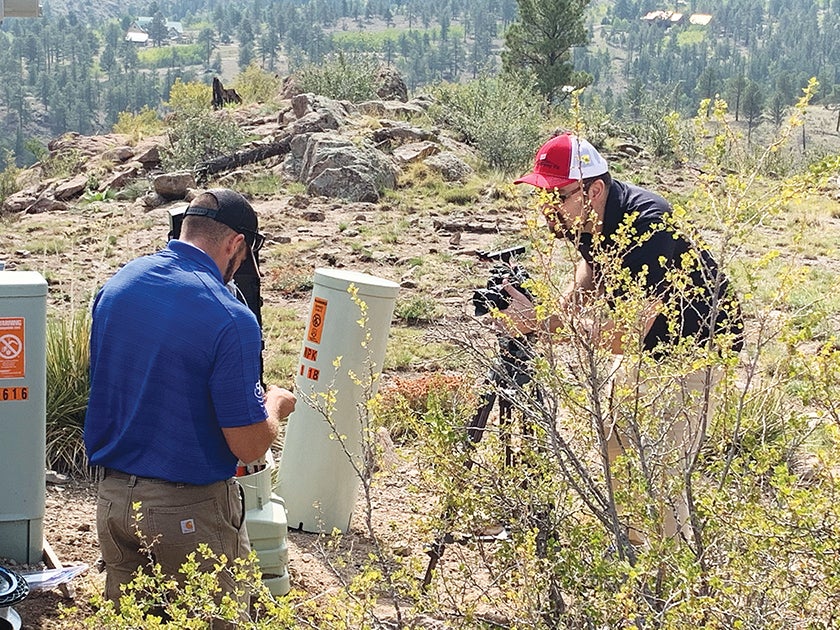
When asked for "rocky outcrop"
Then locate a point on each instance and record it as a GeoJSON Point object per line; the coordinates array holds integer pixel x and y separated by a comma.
{"type": "Point", "coordinates": [333, 147]}
{"type": "Point", "coordinates": [390, 84]}
{"type": "Point", "coordinates": [450, 166]}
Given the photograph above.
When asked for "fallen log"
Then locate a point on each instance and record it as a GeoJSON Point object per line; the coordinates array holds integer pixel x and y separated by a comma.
{"type": "Point", "coordinates": [471, 227]}
{"type": "Point", "coordinates": [205, 169]}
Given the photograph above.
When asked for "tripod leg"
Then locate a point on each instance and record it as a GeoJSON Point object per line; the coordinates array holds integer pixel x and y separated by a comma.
{"type": "Point", "coordinates": [506, 427]}
{"type": "Point", "coordinates": [435, 554]}
{"type": "Point", "coordinates": [475, 430]}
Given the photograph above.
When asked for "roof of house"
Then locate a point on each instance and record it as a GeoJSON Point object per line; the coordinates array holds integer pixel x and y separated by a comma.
{"type": "Point", "coordinates": [137, 37]}
{"type": "Point", "coordinates": [145, 21]}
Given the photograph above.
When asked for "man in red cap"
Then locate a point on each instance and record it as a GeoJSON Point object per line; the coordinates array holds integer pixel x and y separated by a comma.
{"type": "Point", "coordinates": [688, 296]}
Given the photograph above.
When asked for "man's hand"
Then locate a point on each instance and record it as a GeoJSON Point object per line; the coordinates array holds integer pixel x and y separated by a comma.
{"type": "Point", "coordinates": [250, 442]}
{"type": "Point", "coordinates": [279, 402]}
{"type": "Point", "coordinates": [519, 318]}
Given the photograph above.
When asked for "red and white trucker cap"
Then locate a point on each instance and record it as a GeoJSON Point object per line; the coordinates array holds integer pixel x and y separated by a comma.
{"type": "Point", "coordinates": [563, 160]}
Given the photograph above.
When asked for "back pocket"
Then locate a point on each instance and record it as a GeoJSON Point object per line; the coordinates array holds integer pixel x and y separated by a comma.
{"type": "Point", "coordinates": [175, 531]}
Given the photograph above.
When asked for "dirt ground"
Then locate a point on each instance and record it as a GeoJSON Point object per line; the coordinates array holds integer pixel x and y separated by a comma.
{"type": "Point", "coordinates": [68, 249]}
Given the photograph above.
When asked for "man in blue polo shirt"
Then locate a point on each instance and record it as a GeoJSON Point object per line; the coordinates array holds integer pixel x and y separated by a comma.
{"type": "Point", "coordinates": [176, 396]}
{"type": "Point", "coordinates": [688, 298]}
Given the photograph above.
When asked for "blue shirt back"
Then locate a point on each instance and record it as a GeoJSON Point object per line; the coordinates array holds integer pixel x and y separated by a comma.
{"type": "Point", "coordinates": [174, 358]}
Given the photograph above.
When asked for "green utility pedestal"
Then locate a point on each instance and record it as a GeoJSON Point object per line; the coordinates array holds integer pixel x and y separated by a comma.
{"type": "Point", "coordinates": [23, 408]}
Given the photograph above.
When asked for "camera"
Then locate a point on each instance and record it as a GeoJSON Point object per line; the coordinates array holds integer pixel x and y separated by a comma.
{"type": "Point", "coordinates": [493, 296]}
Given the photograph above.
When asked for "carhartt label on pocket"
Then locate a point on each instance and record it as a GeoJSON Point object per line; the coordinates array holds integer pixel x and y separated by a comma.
{"type": "Point", "coordinates": [188, 526]}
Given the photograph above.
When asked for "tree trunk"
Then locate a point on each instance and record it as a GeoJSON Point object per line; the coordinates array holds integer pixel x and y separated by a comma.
{"type": "Point", "coordinates": [241, 158]}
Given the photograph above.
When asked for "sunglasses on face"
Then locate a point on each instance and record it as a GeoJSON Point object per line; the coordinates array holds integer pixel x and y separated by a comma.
{"type": "Point", "coordinates": [563, 197]}
{"type": "Point", "coordinates": [257, 238]}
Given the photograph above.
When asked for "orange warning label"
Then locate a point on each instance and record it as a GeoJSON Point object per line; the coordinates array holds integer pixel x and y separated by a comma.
{"type": "Point", "coordinates": [13, 393]}
{"type": "Point", "coordinates": [316, 320]}
{"type": "Point", "coordinates": [12, 355]}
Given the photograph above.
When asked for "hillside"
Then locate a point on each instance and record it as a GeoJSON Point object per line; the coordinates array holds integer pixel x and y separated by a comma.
{"type": "Point", "coordinates": [412, 203]}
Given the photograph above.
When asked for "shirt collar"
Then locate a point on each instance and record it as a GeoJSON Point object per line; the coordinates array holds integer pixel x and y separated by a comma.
{"type": "Point", "coordinates": [195, 254]}
{"type": "Point", "coordinates": [612, 211]}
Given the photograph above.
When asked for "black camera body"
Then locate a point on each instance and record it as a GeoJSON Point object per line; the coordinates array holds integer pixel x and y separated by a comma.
{"type": "Point", "coordinates": [493, 296]}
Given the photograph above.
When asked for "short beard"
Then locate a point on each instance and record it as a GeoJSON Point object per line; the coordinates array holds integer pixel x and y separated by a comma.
{"type": "Point", "coordinates": [232, 265]}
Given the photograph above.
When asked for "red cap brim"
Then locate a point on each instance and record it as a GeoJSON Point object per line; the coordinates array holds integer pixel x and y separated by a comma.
{"type": "Point", "coordinates": [541, 181]}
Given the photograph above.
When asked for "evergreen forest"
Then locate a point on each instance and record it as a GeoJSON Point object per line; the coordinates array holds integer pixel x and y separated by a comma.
{"type": "Point", "coordinates": [73, 70]}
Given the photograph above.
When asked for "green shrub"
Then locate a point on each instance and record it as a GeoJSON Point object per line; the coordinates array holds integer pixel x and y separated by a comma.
{"type": "Point", "coordinates": [68, 388]}
{"type": "Point", "coordinates": [418, 309]}
{"type": "Point", "coordinates": [255, 85]}
{"type": "Point", "coordinates": [8, 177]}
{"type": "Point", "coordinates": [185, 98]}
{"type": "Point", "coordinates": [342, 76]}
{"type": "Point", "coordinates": [500, 117]}
{"type": "Point", "coordinates": [404, 402]}
{"type": "Point", "coordinates": [199, 137]}
{"type": "Point", "coordinates": [154, 600]}
{"type": "Point", "coordinates": [196, 133]}
{"type": "Point", "coordinates": [63, 164]}
{"type": "Point", "coordinates": [144, 123]}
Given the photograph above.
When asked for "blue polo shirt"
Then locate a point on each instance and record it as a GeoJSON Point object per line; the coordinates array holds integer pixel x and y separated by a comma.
{"type": "Point", "coordinates": [174, 357]}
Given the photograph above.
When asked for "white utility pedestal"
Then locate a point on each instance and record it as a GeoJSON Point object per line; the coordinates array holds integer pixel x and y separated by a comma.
{"type": "Point", "coordinates": [340, 363]}
{"type": "Point", "coordinates": [23, 411]}
{"type": "Point", "coordinates": [265, 520]}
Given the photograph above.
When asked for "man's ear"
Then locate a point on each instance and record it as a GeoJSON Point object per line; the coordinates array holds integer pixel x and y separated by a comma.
{"type": "Point", "coordinates": [233, 243]}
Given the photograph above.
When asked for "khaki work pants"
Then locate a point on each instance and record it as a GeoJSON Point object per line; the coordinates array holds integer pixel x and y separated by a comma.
{"type": "Point", "coordinates": [176, 517]}
{"type": "Point", "coordinates": [670, 443]}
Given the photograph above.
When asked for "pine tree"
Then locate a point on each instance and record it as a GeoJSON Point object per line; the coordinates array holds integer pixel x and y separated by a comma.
{"type": "Point", "coordinates": [539, 44]}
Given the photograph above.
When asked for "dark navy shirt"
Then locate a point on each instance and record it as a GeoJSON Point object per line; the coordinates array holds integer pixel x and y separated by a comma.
{"type": "Point", "coordinates": [174, 358]}
{"type": "Point", "coordinates": [653, 249]}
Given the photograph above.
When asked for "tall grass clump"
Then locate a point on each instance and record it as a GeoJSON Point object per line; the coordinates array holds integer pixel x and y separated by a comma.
{"type": "Point", "coordinates": [500, 117]}
{"type": "Point", "coordinates": [68, 389]}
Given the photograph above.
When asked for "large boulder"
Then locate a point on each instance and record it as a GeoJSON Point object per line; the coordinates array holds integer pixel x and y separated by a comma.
{"type": "Point", "coordinates": [304, 104]}
{"type": "Point", "coordinates": [71, 188]}
{"type": "Point", "coordinates": [414, 151]}
{"type": "Point", "coordinates": [390, 84]}
{"type": "Point", "coordinates": [450, 166]}
{"type": "Point", "coordinates": [347, 183]}
{"type": "Point", "coordinates": [86, 145]}
{"type": "Point", "coordinates": [20, 201]}
{"type": "Point", "coordinates": [397, 132]}
{"type": "Point", "coordinates": [148, 154]}
{"type": "Point", "coordinates": [390, 109]}
{"type": "Point", "coordinates": [333, 166]}
{"type": "Point", "coordinates": [173, 185]}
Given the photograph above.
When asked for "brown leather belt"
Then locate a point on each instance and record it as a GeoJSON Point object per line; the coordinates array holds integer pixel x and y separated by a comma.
{"type": "Point", "coordinates": [103, 473]}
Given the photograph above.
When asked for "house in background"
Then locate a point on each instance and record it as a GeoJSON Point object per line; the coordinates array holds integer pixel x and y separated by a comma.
{"type": "Point", "coordinates": [667, 19]}
{"type": "Point", "coordinates": [138, 32]}
{"type": "Point", "coordinates": [136, 35]}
